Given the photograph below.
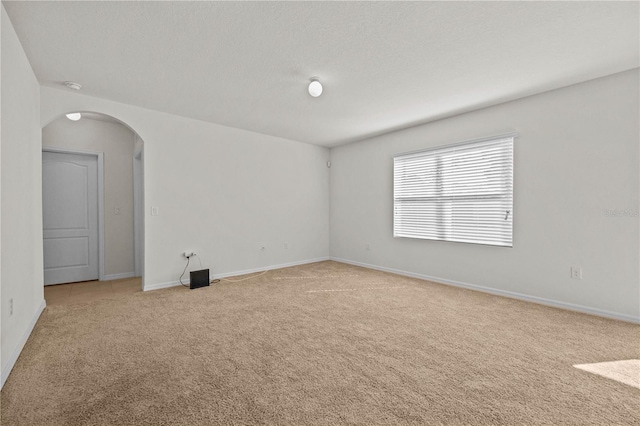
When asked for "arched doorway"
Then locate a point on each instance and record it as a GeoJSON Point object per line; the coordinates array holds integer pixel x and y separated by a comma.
{"type": "Point", "coordinates": [109, 245]}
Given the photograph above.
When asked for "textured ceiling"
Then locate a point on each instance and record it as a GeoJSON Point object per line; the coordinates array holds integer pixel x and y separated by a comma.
{"type": "Point", "coordinates": [385, 65]}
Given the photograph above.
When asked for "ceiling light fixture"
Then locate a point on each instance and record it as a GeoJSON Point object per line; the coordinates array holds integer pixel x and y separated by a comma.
{"type": "Point", "coordinates": [74, 116]}
{"type": "Point", "coordinates": [315, 87]}
{"type": "Point", "coordinates": [73, 85]}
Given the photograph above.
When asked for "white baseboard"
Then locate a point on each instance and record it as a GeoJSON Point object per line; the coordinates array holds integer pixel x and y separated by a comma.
{"type": "Point", "coordinates": [505, 293]}
{"type": "Point", "coordinates": [235, 273]}
{"type": "Point", "coordinates": [118, 276]}
{"type": "Point", "coordinates": [6, 370]}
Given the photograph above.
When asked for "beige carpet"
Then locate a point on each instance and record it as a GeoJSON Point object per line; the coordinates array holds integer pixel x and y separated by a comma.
{"type": "Point", "coordinates": [325, 343]}
{"type": "Point", "coordinates": [625, 371]}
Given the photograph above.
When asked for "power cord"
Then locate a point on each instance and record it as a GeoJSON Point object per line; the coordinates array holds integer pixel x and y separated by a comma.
{"type": "Point", "coordinates": [245, 279]}
{"type": "Point", "coordinates": [185, 270]}
{"type": "Point", "coordinates": [187, 265]}
{"type": "Point", "coordinates": [216, 280]}
{"type": "Point", "coordinates": [211, 281]}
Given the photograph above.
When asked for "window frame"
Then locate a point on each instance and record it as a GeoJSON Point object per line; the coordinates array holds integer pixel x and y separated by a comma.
{"type": "Point", "coordinates": [450, 148]}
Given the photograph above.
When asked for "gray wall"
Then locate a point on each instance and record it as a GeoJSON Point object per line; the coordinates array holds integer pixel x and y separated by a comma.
{"type": "Point", "coordinates": [21, 174]}
{"type": "Point", "coordinates": [575, 158]}
{"type": "Point", "coordinates": [116, 142]}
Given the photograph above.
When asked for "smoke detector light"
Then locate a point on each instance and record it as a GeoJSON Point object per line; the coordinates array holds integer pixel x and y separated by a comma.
{"type": "Point", "coordinates": [73, 85]}
{"type": "Point", "coordinates": [315, 87]}
{"type": "Point", "coordinates": [74, 116]}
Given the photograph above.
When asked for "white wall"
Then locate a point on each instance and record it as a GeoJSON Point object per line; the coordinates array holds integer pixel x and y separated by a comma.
{"type": "Point", "coordinates": [220, 191]}
{"type": "Point", "coordinates": [21, 234]}
{"type": "Point", "coordinates": [576, 156]}
{"type": "Point", "coordinates": [116, 142]}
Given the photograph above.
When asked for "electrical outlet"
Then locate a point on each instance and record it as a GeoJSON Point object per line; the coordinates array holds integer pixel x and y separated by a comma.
{"type": "Point", "coordinates": [117, 211]}
{"type": "Point", "coordinates": [154, 211]}
{"type": "Point", "coordinates": [576, 272]}
{"type": "Point", "coordinates": [11, 306]}
{"type": "Point", "coordinates": [188, 253]}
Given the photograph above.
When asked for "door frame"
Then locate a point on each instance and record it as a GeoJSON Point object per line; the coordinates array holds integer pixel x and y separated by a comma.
{"type": "Point", "coordinates": [138, 211]}
{"type": "Point", "coordinates": [100, 157]}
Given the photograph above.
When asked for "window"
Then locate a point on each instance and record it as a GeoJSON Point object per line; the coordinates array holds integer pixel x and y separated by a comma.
{"type": "Point", "coordinates": [461, 192]}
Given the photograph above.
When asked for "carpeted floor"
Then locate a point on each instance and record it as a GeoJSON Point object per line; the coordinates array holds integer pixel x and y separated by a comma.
{"type": "Point", "coordinates": [279, 349]}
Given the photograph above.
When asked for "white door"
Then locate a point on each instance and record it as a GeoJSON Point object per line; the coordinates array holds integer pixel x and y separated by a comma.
{"type": "Point", "coordinates": [70, 217]}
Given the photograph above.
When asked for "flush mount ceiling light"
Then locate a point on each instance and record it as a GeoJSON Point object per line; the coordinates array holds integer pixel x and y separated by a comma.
{"type": "Point", "coordinates": [315, 87]}
{"type": "Point", "coordinates": [74, 116]}
{"type": "Point", "coordinates": [73, 85]}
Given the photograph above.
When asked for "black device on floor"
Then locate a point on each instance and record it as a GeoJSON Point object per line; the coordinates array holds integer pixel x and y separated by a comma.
{"type": "Point", "coordinates": [199, 279]}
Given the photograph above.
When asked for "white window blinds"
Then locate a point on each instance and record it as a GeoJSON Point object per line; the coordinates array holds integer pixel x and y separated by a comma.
{"type": "Point", "coordinates": [461, 193]}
